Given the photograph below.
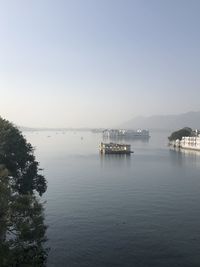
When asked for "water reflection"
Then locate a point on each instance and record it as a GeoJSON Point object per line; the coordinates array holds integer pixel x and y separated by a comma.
{"type": "Point", "coordinates": [182, 156]}
{"type": "Point", "coordinates": [138, 139]}
{"type": "Point", "coordinates": [115, 160]}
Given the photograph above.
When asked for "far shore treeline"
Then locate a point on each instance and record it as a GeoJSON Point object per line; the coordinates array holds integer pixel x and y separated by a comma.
{"type": "Point", "coordinates": [22, 228]}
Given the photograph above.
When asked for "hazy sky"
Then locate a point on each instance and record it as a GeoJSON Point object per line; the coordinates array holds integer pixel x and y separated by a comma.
{"type": "Point", "coordinates": [76, 63]}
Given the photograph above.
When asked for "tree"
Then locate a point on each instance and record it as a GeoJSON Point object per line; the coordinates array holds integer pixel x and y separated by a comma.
{"type": "Point", "coordinates": [22, 228]}
{"type": "Point", "coordinates": [17, 155]}
{"type": "Point", "coordinates": [180, 133]}
{"type": "Point", "coordinates": [22, 232]}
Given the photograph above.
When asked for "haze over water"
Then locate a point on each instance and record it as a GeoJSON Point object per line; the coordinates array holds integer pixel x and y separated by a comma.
{"type": "Point", "coordinates": [97, 63]}
{"type": "Point", "coordinates": [100, 63]}
{"type": "Point", "coordinates": [139, 210]}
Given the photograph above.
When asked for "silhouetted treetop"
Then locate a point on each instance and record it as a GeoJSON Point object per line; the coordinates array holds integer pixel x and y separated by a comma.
{"type": "Point", "coordinates": [22, 228]}
{"type": "Point", "coordinates": [17, 156]}
{"type": "Point", "coordinates": [180, 133]}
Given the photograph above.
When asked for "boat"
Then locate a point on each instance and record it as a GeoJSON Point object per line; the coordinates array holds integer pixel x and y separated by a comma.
{"type": "Point", "coordinates": [114, 148]}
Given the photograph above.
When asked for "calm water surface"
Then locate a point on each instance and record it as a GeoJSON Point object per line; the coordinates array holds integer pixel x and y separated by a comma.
{"type": "Point", "coordinates": [140, 210]}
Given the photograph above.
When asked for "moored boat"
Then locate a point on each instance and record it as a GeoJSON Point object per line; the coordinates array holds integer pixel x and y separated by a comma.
{"type": "Point", "coordinates": [114, 148]}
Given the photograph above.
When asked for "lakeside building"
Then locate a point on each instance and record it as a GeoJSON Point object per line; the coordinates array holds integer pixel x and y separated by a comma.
{"type": "Point", "coordinates": [114, 133]}
{"type": "Point", "coordinates": [188, 142]}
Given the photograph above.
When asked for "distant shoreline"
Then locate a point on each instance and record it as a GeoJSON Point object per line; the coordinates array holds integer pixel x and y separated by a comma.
{"type": "Point", "coordinates": [27, 129]}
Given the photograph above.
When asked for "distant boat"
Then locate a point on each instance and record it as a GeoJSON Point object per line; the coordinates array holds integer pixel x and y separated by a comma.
{"type": "Point", "coordinates": [114, 148]}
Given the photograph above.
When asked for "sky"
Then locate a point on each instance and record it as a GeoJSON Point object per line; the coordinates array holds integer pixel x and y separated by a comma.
{"type": "Point", "coordinates": [97, 63]}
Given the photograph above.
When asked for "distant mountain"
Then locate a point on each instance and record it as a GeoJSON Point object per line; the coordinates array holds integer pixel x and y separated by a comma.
{"type": "Point", "coordinates": [165, 122]}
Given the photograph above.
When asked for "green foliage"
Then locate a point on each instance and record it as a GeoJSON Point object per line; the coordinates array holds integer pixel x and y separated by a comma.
{"type": "Point", "coordinates": [17, 155]}
{"type": "Point", "coordinates": [22, 228]}
{"type": "Point", "coordinates": [180, 133]}
{"type": "Point", "coordinates": [22, 243]}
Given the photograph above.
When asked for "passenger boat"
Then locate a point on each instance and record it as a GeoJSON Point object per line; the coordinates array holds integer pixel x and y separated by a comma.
{"type": "Point", "coordinates": [114, 148]}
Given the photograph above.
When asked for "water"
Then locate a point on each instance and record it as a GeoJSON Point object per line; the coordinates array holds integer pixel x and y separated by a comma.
{"type": "Point", "coordinates": [140, 210]}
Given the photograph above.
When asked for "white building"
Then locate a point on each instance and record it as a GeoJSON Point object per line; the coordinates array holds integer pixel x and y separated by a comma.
{"type": "Point", "coordinates": [192, 142]}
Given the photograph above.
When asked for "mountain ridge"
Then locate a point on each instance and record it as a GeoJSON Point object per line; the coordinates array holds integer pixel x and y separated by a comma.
{"type": "Point", "coordinates": [165, 122]}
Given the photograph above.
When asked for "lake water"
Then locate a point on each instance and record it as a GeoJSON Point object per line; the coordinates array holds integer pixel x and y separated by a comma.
{"type": "Point", "coordinates": [140, 210]}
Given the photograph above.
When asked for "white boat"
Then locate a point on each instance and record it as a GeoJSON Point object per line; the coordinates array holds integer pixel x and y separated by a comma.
{"type": "Point", "coordinates": [114, 148]}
